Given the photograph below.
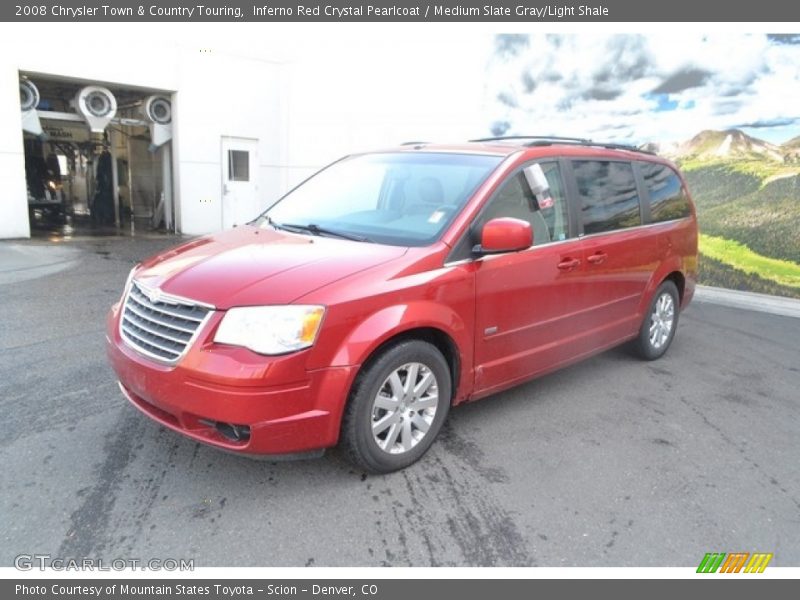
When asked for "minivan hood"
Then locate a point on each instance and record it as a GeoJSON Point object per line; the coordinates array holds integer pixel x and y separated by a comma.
{"type": "Point", "coordinates": [250, 266]}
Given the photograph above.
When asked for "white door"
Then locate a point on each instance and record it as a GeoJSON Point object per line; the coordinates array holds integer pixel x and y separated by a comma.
{"type": "Point", "coordinates": [239, 181]}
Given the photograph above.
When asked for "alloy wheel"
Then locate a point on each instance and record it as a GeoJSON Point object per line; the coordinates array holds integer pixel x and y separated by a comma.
{"type": "Point", "coordinates": [404, 408]}
{"type": "Point", "coordinates": [662, 320]}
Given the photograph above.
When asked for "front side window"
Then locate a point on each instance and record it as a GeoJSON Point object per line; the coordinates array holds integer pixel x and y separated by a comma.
{"type": "Point", "coordinates": [608, 195]}
{"type": "Point", "coordinates": [546, 214]}
{"type": "Point", "coordinates": [668, 199]}
{"type": "Point", "coordinates": [403, 198]}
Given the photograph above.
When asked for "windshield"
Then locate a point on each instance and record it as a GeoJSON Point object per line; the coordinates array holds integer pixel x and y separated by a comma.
{"type": "Point", "coordinates": [401, 199]}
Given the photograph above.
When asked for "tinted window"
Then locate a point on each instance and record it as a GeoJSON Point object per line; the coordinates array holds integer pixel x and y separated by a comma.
{"type": "Point", "coordinates": [547, 215]}
{"type": "Point", "coordinates": [668, 199]}
{"type": "Point", "coordinates": [608, 195]}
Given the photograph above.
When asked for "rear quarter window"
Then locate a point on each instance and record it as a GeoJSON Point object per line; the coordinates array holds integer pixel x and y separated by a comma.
{"type": "Point", "coordinates": [668, 198]}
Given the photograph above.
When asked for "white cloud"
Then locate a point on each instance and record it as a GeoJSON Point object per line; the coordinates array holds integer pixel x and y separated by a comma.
{"type": "Point", "coordinates": [601, 85]}
{"type": "Point", "coordinates": [359, 86]}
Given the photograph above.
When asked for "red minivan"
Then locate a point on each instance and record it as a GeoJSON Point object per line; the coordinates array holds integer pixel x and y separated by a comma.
{"type": "Point", "coordinates": [391, 285]}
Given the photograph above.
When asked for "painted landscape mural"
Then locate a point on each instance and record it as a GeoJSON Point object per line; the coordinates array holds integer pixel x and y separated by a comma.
{"type": "Point", "coordinates": [725, 108]}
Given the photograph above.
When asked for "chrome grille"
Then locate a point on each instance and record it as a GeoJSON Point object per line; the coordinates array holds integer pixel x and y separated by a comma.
{"type": "Point", "coordinates": [161, 327]}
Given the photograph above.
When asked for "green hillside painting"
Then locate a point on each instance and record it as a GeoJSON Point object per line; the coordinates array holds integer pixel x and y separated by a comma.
{"type": "Point", "coordinates": [723, 106]}
{"type": "Point", "coordinates": [747, 193]}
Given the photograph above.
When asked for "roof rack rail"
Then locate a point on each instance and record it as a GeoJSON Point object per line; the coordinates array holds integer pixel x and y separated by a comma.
{"type": "Point", "coordinates": [609, 145]}
{"type": "Point", "coordinates": [550, 140]}
{"type": "Point", "coordinates": [413, 143]}
{"type": "Point", "coordinates": [554, 138]}
{"type": "Point", "coordinates": [629, 148]}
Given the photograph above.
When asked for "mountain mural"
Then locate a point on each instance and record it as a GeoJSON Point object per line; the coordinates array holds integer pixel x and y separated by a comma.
{"type": "Point", "coordinates": [711, 93]}
{"type": "Point", "coordinates": [791, 150]}
{"type": "Point", "coordinates": [747, 193]}
{"type": "Point", "coordinates": [730, 144]}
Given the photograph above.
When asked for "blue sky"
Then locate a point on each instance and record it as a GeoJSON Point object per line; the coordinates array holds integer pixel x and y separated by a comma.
{"type": "Point", "coordinates": [639, 88]}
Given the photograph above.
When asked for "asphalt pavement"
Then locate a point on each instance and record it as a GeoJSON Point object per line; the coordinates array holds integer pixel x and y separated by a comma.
{"type": "Point", "coordinates": [612, 462]}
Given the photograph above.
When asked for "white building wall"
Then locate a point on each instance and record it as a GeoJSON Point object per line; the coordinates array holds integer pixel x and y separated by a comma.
{"type": "Point", "coordinates": [13, 194]}
{"type": "Point", "coordinates": [215, 94]}
{"type": "Point", "coordinates": [219, 96]}
{"type": "Point", "coordinates": [358, 89]}
{"type": "Point", "coordinates": [332, 91]}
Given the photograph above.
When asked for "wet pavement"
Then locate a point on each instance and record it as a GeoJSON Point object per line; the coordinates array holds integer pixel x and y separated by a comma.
{"type": "Point", "coordinates": [612, 462]}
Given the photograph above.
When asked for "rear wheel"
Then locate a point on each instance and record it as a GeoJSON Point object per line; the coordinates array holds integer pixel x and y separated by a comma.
{"type": "Point", "coordinates": [660, 322]}
{"type": "Point", "coordinates": [397, 407]}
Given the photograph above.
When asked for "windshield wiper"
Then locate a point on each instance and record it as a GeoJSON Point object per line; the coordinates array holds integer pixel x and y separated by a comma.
{"type": "Point", "coordinates": [315, 229]}
{"type": "Point", "coordinates": [282, 227]}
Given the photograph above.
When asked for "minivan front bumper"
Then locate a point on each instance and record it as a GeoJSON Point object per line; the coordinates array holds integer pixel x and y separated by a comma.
{"type": "Point", "coordinates": [282, 407]}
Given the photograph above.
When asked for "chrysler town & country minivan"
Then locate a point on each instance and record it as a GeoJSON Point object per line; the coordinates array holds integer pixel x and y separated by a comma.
{"type": "Point", "coordinates": [392, 285]}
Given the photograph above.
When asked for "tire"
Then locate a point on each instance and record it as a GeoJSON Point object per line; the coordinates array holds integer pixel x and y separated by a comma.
{"type": "Point", "coordinates": [387, 427]}
{"type": "Point", "coordinates": [660, 323]}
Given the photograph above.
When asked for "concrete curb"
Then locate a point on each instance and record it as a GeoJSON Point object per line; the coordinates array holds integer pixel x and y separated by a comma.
{"type": "Point", "coordinates": [775, 305]}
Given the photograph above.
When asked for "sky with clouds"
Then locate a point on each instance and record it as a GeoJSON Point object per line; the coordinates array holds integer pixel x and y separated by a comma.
{"type": "Point", "coordinates": [353, 87]}
{"type": "Point", "coordinates": [637, 88]}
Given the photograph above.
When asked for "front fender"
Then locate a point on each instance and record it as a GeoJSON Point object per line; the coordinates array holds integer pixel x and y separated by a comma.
{"type": "Point", "coordinates": [393, 321]}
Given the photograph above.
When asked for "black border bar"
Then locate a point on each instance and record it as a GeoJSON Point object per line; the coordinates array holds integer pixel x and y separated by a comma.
{"type": "Point", "coordinates": [442, 11]}
{"type": "Point", "coordinates": [702, 586]}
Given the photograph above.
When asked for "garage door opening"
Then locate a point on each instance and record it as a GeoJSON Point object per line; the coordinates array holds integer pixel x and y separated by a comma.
{"type": "Point", "coordinates": [98, 157]}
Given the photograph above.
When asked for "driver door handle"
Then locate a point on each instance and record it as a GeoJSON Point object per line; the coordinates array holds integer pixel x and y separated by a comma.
{"type": "Point", "coordinates": [597, 258]}
{"type": "Point", "coordinates": [569, 263]}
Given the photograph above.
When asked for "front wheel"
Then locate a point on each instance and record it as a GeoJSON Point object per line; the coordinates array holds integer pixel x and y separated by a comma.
{"type": "Point", "coordinates": [660, 322]}
{"type": "Point", "coordinates": [397, 407]}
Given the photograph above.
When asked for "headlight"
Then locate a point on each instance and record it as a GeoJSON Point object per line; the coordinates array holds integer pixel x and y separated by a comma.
{"type": "Point", "coordinates": [270, 329]}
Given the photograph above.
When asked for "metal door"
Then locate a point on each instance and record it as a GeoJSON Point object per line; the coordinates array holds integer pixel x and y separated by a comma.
{"type": "Point", "coordinates": [239, 181]}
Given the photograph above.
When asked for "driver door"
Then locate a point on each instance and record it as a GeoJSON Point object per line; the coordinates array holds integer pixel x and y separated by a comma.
{"type": "Point", "coordinates": [526, 301]}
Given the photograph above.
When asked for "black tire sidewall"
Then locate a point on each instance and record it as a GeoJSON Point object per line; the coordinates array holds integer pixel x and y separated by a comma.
{"type": "Point", "coordinates": [646, 349]}
{"type": "Point", "coordinates": [357, 429]}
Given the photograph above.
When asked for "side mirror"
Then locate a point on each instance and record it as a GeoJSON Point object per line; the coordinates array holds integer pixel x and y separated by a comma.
{"type": "Point", "coordinates": [504, 235]}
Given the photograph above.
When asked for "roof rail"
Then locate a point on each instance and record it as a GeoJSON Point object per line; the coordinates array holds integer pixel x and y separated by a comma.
{"type": "Point", "coordinates": [550, 140]}
{"type": "Point", "coordinates": [590, 143]}
{"type": "Point", "coordinates": [629, 148]}
{"type": "Point", "coordinates": [554, 138]}
{"type": "Point", "coordinates": [413, 143]}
